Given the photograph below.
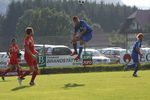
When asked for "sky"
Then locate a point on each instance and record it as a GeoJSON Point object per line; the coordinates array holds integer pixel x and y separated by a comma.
{"type": "Point", "coordinates": [142, 4]}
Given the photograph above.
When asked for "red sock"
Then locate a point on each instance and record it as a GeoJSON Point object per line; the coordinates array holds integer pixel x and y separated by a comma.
{"type": "Point", "coordinates": [33, 76]}
{"type": "Point", "coordinates": [18, 71]}
{"type": "Point", "coordinates": [25, 74]}
{"type": "Point", "coordinates": [6, 71]}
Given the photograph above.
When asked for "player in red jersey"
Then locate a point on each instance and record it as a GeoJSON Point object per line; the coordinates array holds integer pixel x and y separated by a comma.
{"type": "Point", "coordinates": [13, 53]}
{"type": "Point", "coordinates": [30, 56]}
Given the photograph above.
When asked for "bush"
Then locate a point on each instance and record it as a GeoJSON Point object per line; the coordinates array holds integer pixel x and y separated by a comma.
{"type": "Point", "coordinates": [92, 68]}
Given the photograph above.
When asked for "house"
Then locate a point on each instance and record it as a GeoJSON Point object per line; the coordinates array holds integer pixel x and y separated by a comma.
{"type": "Point", "coordinates": [136, 23]}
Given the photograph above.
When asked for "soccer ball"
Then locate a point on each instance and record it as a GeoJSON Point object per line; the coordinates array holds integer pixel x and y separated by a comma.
{"type": "Point", "coordinates": [81, 2]}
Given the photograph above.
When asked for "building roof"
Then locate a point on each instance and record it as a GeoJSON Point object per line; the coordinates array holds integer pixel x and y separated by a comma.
{"type": "Point", "coordinates": [142, 17]}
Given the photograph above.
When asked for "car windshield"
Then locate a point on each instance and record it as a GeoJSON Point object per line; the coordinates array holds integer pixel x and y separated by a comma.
{"type": "Point", "coordinates": [61, 51]}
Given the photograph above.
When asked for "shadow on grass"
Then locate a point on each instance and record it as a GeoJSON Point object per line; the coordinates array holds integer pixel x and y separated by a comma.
{"type": "Point", "coordinates": [19, 88]}
{"type": "Point", "coordinates": [70, 85]}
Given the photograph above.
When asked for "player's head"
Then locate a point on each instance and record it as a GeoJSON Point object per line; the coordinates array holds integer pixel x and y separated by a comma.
{"type": "Point", "coordinates": [76, 20]}
{"type": "Point", "coordinates": [13, 41]}
{"type": "Point", "coordinates": [29, 31]}
{"type": "Point", "coordinates": [140, 36]}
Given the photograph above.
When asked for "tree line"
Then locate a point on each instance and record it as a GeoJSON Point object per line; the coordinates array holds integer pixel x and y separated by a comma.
{"type": "Point", "coordinates": [52, 18]}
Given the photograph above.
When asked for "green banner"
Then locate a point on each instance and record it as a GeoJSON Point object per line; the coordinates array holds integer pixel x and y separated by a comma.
{"type": "Point", "coordinates": [41, 61]}
{"type": "Point", "coordinates": [87, 57]}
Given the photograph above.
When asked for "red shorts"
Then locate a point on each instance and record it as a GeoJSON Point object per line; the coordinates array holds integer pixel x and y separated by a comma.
{"type": "Point", "coordinates": [13, 62]}
{"type": "Point", "coordinates": [30, 61]}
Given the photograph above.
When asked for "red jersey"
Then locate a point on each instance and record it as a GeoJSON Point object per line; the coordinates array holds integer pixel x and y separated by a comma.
{"type": "Point", "coordinates": [14, 50]}
{"type": "Point", "coordinates": [29, 42]}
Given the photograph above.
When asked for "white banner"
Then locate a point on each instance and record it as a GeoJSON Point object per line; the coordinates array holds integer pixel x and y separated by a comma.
{"type": "Point", "coordinates": [62, 61]}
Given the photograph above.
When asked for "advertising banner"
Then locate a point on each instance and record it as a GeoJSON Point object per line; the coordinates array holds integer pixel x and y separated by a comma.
{"type": "Point", "coordinates": [128, 59]}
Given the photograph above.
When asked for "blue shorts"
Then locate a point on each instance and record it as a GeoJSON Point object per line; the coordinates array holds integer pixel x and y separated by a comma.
{"type": "Point", "coordinates": [86, 37]}
{"type": "Point", "coordinates": [135, 58]}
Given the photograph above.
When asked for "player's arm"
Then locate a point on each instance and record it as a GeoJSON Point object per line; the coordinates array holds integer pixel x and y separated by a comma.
{"type": "Point", "coordinates": [8, 52]}
{"type": "Point", "coordinates": [139, 52]}
{"type": "Point", "coordinates": [75, 31]}
{"type": "Point", "coordinates": [138, 49]}
{"type": "Point", "coordinates": [84, 25]}
{"type": "Point", "coordinates": [18, 53]}
{"type": "Point", "coordinates": [36, 52]}
{"type": "Point", "coordinates": [29, 52]}
{"type": "Point", "coordinates": [84, 31]}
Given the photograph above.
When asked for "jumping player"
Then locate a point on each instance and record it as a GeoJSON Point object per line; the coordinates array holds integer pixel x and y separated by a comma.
{"type": "Point", "coordinates": [13, 53]}
{"type": "Point", "coordinates": [82, 33]}
{"type": "Point", "coordinates": [136, 53]}
{"type": "Point", "coordinates": [30, 56]}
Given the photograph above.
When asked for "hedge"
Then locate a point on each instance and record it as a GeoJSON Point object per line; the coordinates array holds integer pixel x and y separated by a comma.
{"type": "Point", "coordinates": [92, 68]}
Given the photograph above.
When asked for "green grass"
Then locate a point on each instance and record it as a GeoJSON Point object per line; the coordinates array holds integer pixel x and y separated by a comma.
{"type": "Point", "coordinates": [79, 86]}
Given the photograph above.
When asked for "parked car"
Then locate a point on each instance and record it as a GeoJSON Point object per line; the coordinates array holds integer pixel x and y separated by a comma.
{"type": "Point", "coordinates": [53, 49]}
{"type": "Point", "coordinates": [113, 53]}
{"type": "Point", "coordinates": [98, 58]}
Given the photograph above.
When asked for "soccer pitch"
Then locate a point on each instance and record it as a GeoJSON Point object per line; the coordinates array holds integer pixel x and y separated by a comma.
{"type": "Point", "coordinates": [80, 86]}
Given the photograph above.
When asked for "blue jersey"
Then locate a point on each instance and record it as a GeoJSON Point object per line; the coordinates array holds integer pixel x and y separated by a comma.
{"type": "Point", "coordinates": [83, 25]}
{"type": "Point", "coordinates": [136, 45]}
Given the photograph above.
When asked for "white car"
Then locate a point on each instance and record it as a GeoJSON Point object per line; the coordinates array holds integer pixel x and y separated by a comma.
{"type": "Point", "coordinates": [113, 53]}
{"type": "Point", "coordinates": [52, 49]}
{"type": "Point", "coordinates": [97, 57]}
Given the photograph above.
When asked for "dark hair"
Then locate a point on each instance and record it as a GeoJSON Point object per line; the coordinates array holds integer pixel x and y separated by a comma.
{"type": "Point", "coordinates": [75, 18]}
{"type": "Point", "coordinates": [29, 30]}
{"type": "Point", "coordinates": [13, 39]}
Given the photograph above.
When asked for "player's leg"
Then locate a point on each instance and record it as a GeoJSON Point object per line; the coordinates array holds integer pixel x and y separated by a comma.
{"type": "Point", "coordinates": [8, 69]}
{"type": "Point", "coordinates": [34, 74]}
{"type": "Point", "coordinates": [135, 59]}
{"type": "Point", "coordinates": [80, 49]}
{"type": "Point", "coordinates": [74, 43]}
{"type": "Point", "coordinates": [18, 69]}
{"type": "Point", "coordinates": [136, 69]}
{"type": "Point", "coordinates": [85, 38]}
{"type": "Point", "coordinates": [128, 66]}
{"type": "Point", "coordinates": [27, 72]}
{"type": "Point", "coordinates": [137, 64]}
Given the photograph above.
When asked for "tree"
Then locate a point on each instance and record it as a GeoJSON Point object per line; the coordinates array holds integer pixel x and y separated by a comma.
{"type": "Point", "coordinates": [46, 23]}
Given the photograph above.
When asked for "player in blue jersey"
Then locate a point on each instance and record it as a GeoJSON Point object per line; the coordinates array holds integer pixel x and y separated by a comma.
{"type": "Point", "coordinates": [82, 33]}
{"type": "Point", "coordinates": [136, 53]}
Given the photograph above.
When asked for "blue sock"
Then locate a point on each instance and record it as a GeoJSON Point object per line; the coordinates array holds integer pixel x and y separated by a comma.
{"type": "Point", "coordinates": [136, 69]}
{"type": "Point", "coordinates": [133, 65]}
{"type": "Point", "coordinates": [80, 51]}
{"type": "Point", "coordinates": [75, 46]}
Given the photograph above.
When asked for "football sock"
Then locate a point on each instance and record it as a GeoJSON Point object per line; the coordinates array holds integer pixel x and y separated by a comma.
{"type": "Point", "coordinates": [34, 74]}
{"type": "Point", "coordinates": [80, 50]}
{"type": "Point", "coordinates": [136, 69]}
{"type": "Point", "coordinates": [75, 46]}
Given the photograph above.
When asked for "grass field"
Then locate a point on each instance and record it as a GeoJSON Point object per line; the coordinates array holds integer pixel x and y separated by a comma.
{"type": "Point", "coordinates": [85, 86]}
